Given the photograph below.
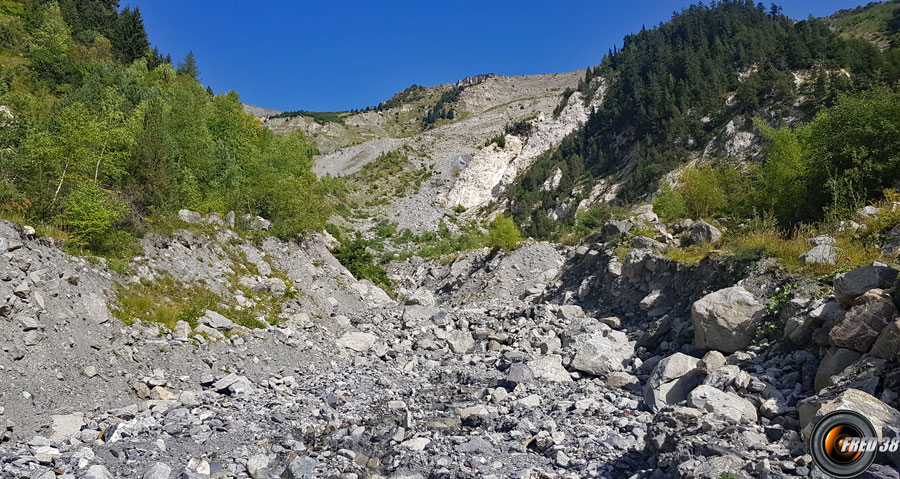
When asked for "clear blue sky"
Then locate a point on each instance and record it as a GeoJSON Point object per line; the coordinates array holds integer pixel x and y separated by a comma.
{"type": "Point", "coordinates": [338, 55]}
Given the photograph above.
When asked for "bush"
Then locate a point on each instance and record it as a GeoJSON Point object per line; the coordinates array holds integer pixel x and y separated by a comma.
{"type": "Point", "coordinates": [669, 204]}
{"type": "Point", "coordinates": [702, 192]}
{"type": "Point", "coordinates": [500, 140]}
{"type": "Point", "coordinates": [361, 263]}
{"type": "Point", "coordinates": [504, 234]}
{"type": "Point", "coordinates": [780, 181]}
{"type": "Point", "coordinates": [90, 215]}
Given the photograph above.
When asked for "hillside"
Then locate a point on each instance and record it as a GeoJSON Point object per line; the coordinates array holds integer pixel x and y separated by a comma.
{"type": "Point", "coordinates": [877, 22]}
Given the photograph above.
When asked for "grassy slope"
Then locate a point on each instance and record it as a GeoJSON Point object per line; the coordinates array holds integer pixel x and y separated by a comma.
{"type": "Point", "coordinates": [875, 22]}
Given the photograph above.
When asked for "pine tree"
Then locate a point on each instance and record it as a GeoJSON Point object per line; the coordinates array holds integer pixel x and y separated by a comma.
{"type": "Point", "coordinates": [129, 36]}
{"type": "Point", "coordinates": [188, 66]}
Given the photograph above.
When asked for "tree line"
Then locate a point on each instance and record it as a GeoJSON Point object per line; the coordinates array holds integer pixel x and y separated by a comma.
{"type": "Point", "coordinates": [669, 89]}
{"type": "Point", "coordinates": [107, 137]}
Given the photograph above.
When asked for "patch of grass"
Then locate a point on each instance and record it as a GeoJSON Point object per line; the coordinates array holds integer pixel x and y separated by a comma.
{"type": "Point", "coordinates": [164, 301]}
{"type": "Point", "coordinates": [168, 224]}
{"type": "Point", "coordinates": [622, 250]}
{"type": "Point", "coordinates": [470, 238]}
{"type": "Point", "coordinates": [117, 265]}
{"type": "Point", "coordinates": [758, 245]}
{"type": "Point", "coordinates": [689, 254]}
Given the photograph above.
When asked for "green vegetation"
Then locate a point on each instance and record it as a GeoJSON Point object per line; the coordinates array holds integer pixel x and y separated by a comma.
{"type": "Point", "coordinates": [166, 301]}
{"type": "Point", "coordinates": [356, 257]}
{"type": "Point", "coordinates": [771, 329]}
{"type": "Point", "coordinates": [503, 234]}
{"type": "Point", "coordinates": [822, 171]}
{"type": "Point", "coordinates": [107, 135]}
{"type": "Point", "coordinates": [520, 128]}
{"type": "Point", "coordinates": [411, 94]}
{"type": "Point", "coordinates": [443, 109]}
{"type": "Point", "coordinates": [391, 175]}
{"type": "Point", "coordinates": [499, 140]}
{"type": "Point", "coordinates": [669, 99]}
{"type": "Point", "coordinates": [444, 243]}
{"type": "Point", "coordinates": [878, 22]}
{"type": "Point", "coordinates": [320, 117]}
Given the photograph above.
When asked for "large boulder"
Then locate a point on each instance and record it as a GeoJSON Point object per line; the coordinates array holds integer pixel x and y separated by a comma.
{"type": "Point", "coordinates": [357, 341]}
{"type": "Point", "coordinates": [712, 400]}
{"type": "Point", "coordinates": [799, 329]}
{"type": "Point", "coordinates": [887, 346]}
{"type": "Point", "coordinates": [821, 254]}
{"type": "Point", "coordinates": [703, 232]}
{"type": "Point", "coordinates": [853, 284]}
{"type": "Point", "coordinates": [835, 361]}
{"type": "Point", "coordinates": [812, 409]}
{"type": "Point", "coordinates": [672, 379]}
{"type": "Point", "coordinates": [549, 367]}
{"type": "Point", "coordinates": [724, 320]}
{"type": "Point", "coordinates": [216, 321]}
{"type": "Point", "coordinates": [421, 297]}
{"type": "Point", "coordinates": [460, 341]}
{"type": "Point", "coordinates": [865, 320]}
{"type": "Point", "coordinates": [603, 352]}
{"type": "Point", "coordinates": [190, 217]}
{"type": "Point", "coordinates": [615, 229]}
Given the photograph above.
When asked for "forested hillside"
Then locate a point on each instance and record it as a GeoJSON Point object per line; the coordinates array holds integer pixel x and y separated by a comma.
{"type": "Point", "coordinates": [101, 137]}
{"type": "Point", "coordinates": [674, 87]}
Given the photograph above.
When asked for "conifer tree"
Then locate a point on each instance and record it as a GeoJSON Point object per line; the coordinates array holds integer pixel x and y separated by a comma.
{"type": "Point", "coordinates": [188, 66]}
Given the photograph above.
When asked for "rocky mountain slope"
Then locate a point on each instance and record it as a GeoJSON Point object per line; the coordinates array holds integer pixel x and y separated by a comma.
{"type": "Point", "coordinates": [549, 361]}
{"type": "Point", "coordinates": [643, 350]}
{"type": "Point", "coordinates": [468, 169]}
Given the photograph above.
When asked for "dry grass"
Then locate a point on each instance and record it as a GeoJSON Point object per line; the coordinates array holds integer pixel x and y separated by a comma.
{"type": "Point", "coordinates": [788, 248]}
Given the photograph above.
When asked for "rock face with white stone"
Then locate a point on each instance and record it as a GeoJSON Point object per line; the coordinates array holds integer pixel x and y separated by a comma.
{"type": "Point", "coordinates": [724, 320]}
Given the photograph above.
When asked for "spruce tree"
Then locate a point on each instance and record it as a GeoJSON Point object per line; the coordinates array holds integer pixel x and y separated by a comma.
{"type": "Point", "coordinates": [188, 66]}
{"type": "Point", "coordinates": [129, 37]}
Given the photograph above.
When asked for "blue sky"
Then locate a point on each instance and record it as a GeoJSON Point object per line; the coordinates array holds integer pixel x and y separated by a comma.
{"type": "Point", "coordinates": [338, 55]}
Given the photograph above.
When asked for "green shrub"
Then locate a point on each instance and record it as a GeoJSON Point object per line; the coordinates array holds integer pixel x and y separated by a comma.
{"type": "Point", "coordinates": [702, 192]}
{"type": "Point", "coordinates": [361, 263]}
{"type": "Point", "coordinates": [780, 181]}
{"type": "Point", "coordinates": [90, 215]}
{"type": "Point", "coordinates": [500, 140]}
{"type": "Point", "coordinates": [669, 204]}
{"type": "Point", "coordinates": [503, 233]}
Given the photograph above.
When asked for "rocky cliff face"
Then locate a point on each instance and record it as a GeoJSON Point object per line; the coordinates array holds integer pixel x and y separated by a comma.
{"type": "Point", "coordinates": [493, 169]}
